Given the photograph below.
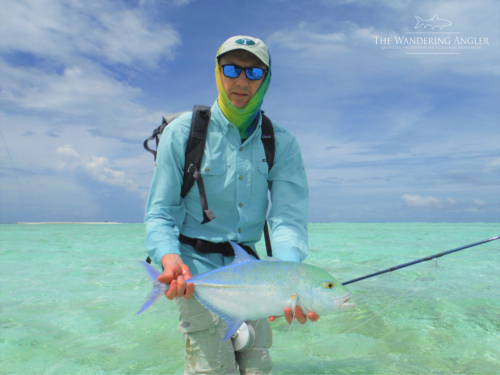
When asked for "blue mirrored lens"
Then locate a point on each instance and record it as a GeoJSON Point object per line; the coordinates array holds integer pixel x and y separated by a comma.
{"type": "Point", "coordinates": [231, 71]}
{"type": "Point", "coordinates": [254, 73]}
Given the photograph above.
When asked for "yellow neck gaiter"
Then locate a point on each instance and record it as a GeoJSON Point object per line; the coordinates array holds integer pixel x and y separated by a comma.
{"type": "Point", "coordinates": [242, 118]}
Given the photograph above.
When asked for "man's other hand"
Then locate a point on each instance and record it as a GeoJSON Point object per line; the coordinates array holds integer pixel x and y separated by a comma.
{"type": "Point", "coordinates": [299, 315]}
{"type": "Point", "coordinates": [175, 273]}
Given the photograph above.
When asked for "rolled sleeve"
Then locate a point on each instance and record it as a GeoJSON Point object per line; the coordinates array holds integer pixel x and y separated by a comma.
{"type": "Point", "coordinates": [165, 209]}
{"type": "Point", "coordinates": [290, 202]}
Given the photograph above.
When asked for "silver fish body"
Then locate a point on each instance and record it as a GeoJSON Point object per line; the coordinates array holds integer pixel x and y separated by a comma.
{"type": "Point", "coordinates": [250, 289]}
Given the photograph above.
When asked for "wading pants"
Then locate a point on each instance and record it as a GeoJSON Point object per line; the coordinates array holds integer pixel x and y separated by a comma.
{"type": "Point", "coordinates": [205, 352]}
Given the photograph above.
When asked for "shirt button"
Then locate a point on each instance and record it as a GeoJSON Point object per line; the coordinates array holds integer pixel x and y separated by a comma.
{"type": "Point", "coordinates": [241, 204]}
{"type": "Point", "coordinates": [240, 177]}
{"type": "Point", "coordinates": [239, 230]}
{"type": "Point", "coordinates": [156, 165]}
{"type": "Point", "coordinates": [241, 148]}
{"type": "Point", "coordinates": [231, 126]}
{"type": "Point", "coordinates": [207, 169]}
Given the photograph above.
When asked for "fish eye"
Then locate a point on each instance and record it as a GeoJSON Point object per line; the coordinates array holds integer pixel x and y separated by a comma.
{"type": "Point", "coordinates": [328, 285]}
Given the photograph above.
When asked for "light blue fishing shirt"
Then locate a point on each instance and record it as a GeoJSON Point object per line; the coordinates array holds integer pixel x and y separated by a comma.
{"type": "Point", "coordinates": [236, 178]}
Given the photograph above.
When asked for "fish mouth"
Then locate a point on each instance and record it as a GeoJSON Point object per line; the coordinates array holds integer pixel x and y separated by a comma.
{"type": "Point", "coordinates": [344, 305]}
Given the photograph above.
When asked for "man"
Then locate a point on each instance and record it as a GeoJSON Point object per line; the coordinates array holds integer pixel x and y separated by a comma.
{"type": "Point", "coordinates": [236, 178]}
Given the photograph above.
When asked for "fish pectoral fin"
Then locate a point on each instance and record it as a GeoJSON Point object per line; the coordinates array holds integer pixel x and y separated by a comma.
{"type": "Point", "coordinates": [233, 323]}
{"type": "Point", "coordinates": [232, 326]}
{"type": "Point", "coordinates": [294, 297]}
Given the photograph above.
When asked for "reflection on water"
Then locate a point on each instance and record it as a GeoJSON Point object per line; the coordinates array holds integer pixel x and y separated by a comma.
{"type": "Point", "coordinates": [68, 294]}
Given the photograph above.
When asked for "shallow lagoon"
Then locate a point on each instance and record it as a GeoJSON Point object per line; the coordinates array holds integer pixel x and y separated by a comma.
{"type": "Point", "coordinates": [68, 294]}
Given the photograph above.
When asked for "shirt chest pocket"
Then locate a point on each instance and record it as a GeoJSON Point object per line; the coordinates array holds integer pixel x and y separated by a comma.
{"type": "Point", "coordinates": [259, 183]}
{"type": "Point", "coordinates": [214, 176]}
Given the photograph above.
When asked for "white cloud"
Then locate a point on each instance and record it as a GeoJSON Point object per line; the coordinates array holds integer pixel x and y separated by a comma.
{"type": "Point", "coordinates": [450, 204]}
{"type": "Point", "coordinates": [98, 167]}
{"type": "Point", "coordinates": [67, 30]}
{"type": "Point", "coordinates": [495, 162]}
{"type": "Point", "coordinates": [182, 2]}
{"type": "Point", "coordinates": [479, 202]}
{"type": "Point", "coordinates": [421, 202]}
{"type": "Point", "coordinates": [66, 150]}
{"type": "Point", "coordinates": [82, 90]}
{"type": "Point", "coordinates": [79, 54]}
{"type": "Point", "coordinates": [177, 3]}
{"type": "Point", "coordinates": [308, 43]}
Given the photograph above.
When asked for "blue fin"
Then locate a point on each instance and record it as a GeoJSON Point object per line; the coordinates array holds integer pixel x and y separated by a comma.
{"type": "Point", "coordinates": [240, 255]}
{"type": "Point", "coordinates": [232, 326]}
{"type": "Point", "coordinates": [158, 290]}
{"type": "Point", "coordinates": [153, 273]}
{"type": "Point", "coordinates": [232, 323]}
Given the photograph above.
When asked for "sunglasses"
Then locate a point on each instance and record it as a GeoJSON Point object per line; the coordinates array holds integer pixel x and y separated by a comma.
{"type": "Point", "coordinates": [234, 71]}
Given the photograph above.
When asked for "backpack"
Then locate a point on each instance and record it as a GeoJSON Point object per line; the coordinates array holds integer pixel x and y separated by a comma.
{"type": "Point", "coordinates": [194, 155]}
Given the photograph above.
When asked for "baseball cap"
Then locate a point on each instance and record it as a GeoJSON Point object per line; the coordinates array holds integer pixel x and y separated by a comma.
{"type": "Point", "coordinates": [247, 43]}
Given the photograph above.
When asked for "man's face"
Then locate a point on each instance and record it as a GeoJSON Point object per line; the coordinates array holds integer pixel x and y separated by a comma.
{"type": "Point", "coordinates": [240, 90]}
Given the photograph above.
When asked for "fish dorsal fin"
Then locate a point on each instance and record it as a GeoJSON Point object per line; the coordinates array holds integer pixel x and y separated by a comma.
{"type": "Point", "coordinates": [240, 255]}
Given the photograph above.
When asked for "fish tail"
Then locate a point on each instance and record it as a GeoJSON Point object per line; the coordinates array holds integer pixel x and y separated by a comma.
{"type": "Point", "coordinates": [158, 288]}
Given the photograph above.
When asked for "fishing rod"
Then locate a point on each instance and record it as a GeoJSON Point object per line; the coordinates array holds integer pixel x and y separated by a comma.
{"type": "Point", "coordinates": [420, 260]}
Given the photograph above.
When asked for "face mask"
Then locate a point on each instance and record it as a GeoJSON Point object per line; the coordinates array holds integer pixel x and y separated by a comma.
{"type": "Point", "coordinates": [241, 117]}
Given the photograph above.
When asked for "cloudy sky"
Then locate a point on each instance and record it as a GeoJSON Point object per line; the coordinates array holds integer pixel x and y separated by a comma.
{"type": "Point", "coordinates": [388, 134]}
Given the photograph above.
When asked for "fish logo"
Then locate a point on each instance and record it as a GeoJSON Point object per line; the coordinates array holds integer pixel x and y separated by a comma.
{"type": "Point", "coordinates": [245, 42]}
{"type": "Point", "coordinates": [433, 22]}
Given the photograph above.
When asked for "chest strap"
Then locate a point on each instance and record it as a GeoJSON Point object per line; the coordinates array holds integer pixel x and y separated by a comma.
{"type": "Point", "coordinates": [208, 247]}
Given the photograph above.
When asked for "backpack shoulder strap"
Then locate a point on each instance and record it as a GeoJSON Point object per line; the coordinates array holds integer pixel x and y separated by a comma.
{"type": "Point", "coordinates": [267, 139]}
{"type": "Point", "coordinates": [194, 155]}
{"type": "Point", "coordinates": [195, 145]}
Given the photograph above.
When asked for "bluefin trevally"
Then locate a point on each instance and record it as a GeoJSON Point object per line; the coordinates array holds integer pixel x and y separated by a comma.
{"type": "Point", "coordinates": [249, 289]}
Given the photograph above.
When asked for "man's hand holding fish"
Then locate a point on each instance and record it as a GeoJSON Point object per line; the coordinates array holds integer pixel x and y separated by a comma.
{"type": "Point", "coordinates": [175, 273]}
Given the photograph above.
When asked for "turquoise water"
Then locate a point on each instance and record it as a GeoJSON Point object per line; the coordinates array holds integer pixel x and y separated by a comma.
{"type": "Point", "coordinates": [68, 295]}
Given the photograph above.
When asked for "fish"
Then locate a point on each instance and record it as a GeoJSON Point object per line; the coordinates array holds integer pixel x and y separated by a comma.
{"type": "Point", "coordinates": [249, 289]}
{"type": "Point", "coordinates": [433, 22]}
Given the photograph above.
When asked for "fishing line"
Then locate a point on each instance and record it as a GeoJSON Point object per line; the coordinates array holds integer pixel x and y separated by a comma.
{"type": "Point", "coordinates": [384, 309]}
